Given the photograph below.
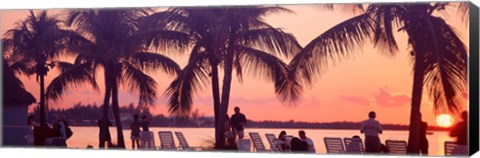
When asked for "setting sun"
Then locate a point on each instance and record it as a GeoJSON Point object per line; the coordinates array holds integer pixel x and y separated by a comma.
{"type": "Point", "coordinates": [444, 120]}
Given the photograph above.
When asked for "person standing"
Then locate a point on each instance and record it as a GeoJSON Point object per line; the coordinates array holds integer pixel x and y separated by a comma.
{"type": "Point", "coordinates": [303, 137]}
{"type": "Point", "coordinates": [238, 121]}
{"type": "Point", "coordinates": [145, 123]}
{"type": "Point", "coordinates": [135, 133]}
{"type": "Point", "coordinates": [60, 127]}
{"type": "Point", "coordinates": [103, 134]}
{"type": "Point", "coordinates": [423, 137]}
{"type": "Point", "coordinates": [371, 128]}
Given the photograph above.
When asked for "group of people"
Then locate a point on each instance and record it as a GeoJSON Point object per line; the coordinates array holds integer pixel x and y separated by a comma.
{"type": "Point", "coordinates": [297, 144]}
{"type": "Point", "coordinates": [55, 134]}
{"type": "Point", "coordinates": [135, 127]}
{"type": "Point", "coordinates": [234, 126]}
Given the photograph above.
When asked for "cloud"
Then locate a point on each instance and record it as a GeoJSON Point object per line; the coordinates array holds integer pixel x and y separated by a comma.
{"type": "Point", "coordinates": [387, 99]}
{"type": "Point", "coordinates": [355, 99]}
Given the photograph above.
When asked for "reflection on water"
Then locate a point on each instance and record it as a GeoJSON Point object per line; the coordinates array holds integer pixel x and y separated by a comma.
{"type": "Point", "coordinates": [84, 136]}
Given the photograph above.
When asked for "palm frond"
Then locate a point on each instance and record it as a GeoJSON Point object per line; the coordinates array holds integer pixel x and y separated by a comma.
{"type": "Point", "coordinates": [270, 67]}
{"type": "Point", "coordinates": [76, 76]}
{"type": "Point", "coordinates": [464, 8]}
{"type": "Point", "coordinates": [151, 62]}
{"type": "Point", "coordinates": [338, 43]}
{"type": "Point", "coordinates": [271, 40]}
{"type": "Point", "coordinates": [140, 84]}
{"type": "Point", "coordinates": [446, 62]}
{"type": "Point", "coordinates": [191, 80]}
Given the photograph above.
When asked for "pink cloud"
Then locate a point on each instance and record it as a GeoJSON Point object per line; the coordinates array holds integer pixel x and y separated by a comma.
{"type": "Point", "coordinates": [387, 99]}
{"type": "Point", "coordinates": [355, 99]}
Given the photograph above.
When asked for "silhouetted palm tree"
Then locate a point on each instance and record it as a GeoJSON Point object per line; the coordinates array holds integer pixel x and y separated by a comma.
{"type": "Point", "coordinates": [439, 55]}
{"type": "Point", "coordinates": [236, 38]}
{"type": "Point", "coordinates": [112, 40]}
{"type": "Point", "coordinates": [32, 46]}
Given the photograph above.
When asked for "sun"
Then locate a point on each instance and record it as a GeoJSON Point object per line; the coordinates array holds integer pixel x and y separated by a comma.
{"type": "Point", "coordinates": [444, 120]}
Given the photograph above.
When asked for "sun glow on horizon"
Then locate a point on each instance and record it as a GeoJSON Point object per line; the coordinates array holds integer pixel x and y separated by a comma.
{"type": "Point", "coordinates": [444, 120]}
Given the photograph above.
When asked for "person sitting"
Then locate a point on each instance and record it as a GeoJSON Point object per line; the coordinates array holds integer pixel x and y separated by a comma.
{"type": "Point", "coordinates": [303, 137]}
{"type": "Point", "coordinates": [355, 145]}
{"type": "Point", "coordinates": [282, 141]}
{"type": "Point", "coordinates": [298, 145]}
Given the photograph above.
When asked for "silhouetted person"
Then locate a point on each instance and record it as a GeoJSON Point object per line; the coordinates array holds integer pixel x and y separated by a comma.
{"type": "Point", "coordinates": [228, 132]}
{"type": "Point", "coordinates": [282, 140]}
{"type": "Point", "coordinates": [60, 127]}
{"type": "Point", "coordinates": [135, 133]}
{"type": "Point", "coordinates": [423, 137]}
{"type": "Point", "coordinates": [298, 145]}
{"type": "Point", "coordinates": [354, 146]}
{"type": "Point", "coordinates": [371, 128]}
{"type": "Point", "coordinates": [145, 123]}
{"type": "Point", "coordinates": [303, 137]}
{"type": "Point", "coordinates": [460, 130]}
{"type": "Point", "coordinates": [103, 134]}
{"type": "Point", "coordinates": [238, 122]}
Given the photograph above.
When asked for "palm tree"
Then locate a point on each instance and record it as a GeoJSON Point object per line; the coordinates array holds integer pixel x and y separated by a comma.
{"type": "Point", "coordinates": [221, 42]}
{"type": "Point", "coordinates": [439, 56]}
{"type": "Point", "coordinates": [112, 40]}
{"type": "Point", "coordinates": [32, 46]}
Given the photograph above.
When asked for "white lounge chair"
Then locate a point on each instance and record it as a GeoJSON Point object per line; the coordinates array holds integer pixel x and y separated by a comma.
{"type": "Point", "coordinates": [166, 140]}
{"type": "Point", "coordinates": [147, 140]}
{"type": "Point", "coordinates": [184, 144]}
{"type": "Point", "coordinates": [257, 142]}
{"type": "Point", "coordinates": [334, 145]}
{"type": "Point", "coordinates": [353, 145]}
{"type": "Point", "coordinates": [453, 149]}
{"type": "Point", "coordinates": [396, 147]}
{"type": "Point", "coordinates": [272, 141]}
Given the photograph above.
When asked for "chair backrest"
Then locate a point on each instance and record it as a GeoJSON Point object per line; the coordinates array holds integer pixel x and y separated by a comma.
{"type": "Point", "coordinates": [271, 140]}
{"type": "Point", "coordinates": [147, 140]}
{"type": "Point", "coordinates": [397, 147]}
{"type": "Point", "coordinates": [449, 147]}
{"type": "Point", "coordinates": [353, 145]}
{"type": "Point", "coordinates": [257, 141]}
{"type": "Point", "coordinates": [334, 145]}
{"type": "Point", "coordinates": [166, 140]}
{"type": "Point", "coordinates": [288, 139]}
{"type": "Point", "coordinates": [182, 141]}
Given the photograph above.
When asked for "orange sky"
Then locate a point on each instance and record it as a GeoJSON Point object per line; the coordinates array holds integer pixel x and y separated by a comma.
{"type": "Point", "coordinates": [347, 92]}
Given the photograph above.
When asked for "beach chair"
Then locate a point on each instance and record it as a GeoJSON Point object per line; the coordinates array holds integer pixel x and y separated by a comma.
{"type": "Point", "coordinates": [147, 140]}
{"type": "Point", "coordinates": [396, 147]}
{"type": "Point", "coordinates": [288, 139]}
{"type": "Point", "coordinates": [353, 145]}
{"type": "Point", "coordinates": [453, 149]}
{"type": "Point", "coordinates": [166, 140]}
{"type": "Point", "coordinates": [334, 145]}
{"type": "Point", "coordinates": [272, 141]}
{"type": "Point", "coordinates": [257, 142]}
{"type": "Point", "coordinates": [184, 144]}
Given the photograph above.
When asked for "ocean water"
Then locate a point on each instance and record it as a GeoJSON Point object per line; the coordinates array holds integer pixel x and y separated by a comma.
{"type": "Point", "coordinates": [84, 136]}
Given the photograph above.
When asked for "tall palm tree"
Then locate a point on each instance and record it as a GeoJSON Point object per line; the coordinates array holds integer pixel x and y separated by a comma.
{"type": "Point", "coordinates": [439, 56]}
{"type": "Point", "coordinates": [32, 46]}
{"type": "Point", "coordinates": [246, 42]}
{"type": "Point", "coordinates": [112, 40]}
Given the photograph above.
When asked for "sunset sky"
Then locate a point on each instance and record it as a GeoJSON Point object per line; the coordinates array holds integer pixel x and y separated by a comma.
{"type": "Point", "coordinates": [346, 92]}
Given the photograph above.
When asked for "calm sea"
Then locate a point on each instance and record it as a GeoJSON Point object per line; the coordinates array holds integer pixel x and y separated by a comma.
{"type": "Point", "coordinates": [84, 136]}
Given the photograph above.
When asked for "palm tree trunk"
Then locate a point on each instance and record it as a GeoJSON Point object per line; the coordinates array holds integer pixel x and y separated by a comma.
{"type": "Point", "coordinates": [414, 130]}
{"type": "Point", "coordinates": [227, 80]}
{"type": "Point", "coordinates": [216, 103]}
{"type": "Point", "coordinates": [104, 129]}
{"type": "Point", "coordinates": [116, 112]}
{"type": "Point", "coordinates": [43, 121]}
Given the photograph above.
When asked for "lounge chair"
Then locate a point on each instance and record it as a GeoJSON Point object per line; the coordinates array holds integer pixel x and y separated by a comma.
{"type": "Point", "coordinates": [396, 147]}
{"type": "Point", "coordinates": [272, 141]}
{"type": "Point", "coordinates": [147, 140]}
{"type": "Point", "coordinates": [184, 144]}
{"type": "Point", "coordinates": [257, 142]}
{"type": "Point", "coordinates": [453, 149]}
{"type": "Point", "coordinates": [288, 139]}
{"type": "Point", "coordinates": [334, 145]}
{"type": "Point", "coordinates": [166, 140]}
{"type": "Point", "coordinates": [353, 145]}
